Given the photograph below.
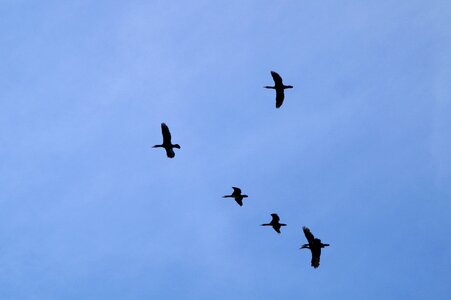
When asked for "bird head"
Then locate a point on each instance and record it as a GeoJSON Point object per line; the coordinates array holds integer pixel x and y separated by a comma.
{"type": "Point", "coordinates": [305, 246]}
{"type": "Point", "coordinates": [176, 146]}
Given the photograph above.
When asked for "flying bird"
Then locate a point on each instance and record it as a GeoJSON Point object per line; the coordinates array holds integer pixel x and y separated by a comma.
{"type": "Point", "coordinates": [279, 87]}
{"type": "Point", "coordinates": [237, 196]}
{"type": "Point", "coordinates": [314, 245]}
{"type": "Point", "coordinates": [275, 223]}
{"type": "Point", "coordinates": [167, 145]}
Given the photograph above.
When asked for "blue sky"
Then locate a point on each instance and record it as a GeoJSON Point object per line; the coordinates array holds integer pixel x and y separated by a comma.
{"type": "Point", "coordinates": [359, 152]}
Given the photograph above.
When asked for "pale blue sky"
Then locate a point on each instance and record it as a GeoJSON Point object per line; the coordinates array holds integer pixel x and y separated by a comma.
{"type": "Point", "coordinates": [360, 151]}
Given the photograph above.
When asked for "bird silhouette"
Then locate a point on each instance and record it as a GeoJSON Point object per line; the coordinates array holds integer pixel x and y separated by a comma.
{"type": "Point", "coordinates": [167, 145]}
{"type": "Point", "coordinates": [314, 245]}
{"type": "Point", "coordinates": [275, 223]}
{"type": "Point", "coordinates": [237, 196]}
{"type": "Point", "coordinates": [279, 87]}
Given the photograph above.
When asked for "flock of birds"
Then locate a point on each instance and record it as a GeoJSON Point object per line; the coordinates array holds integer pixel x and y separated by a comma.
{"type": "Point", "coordinates": [314, 244]}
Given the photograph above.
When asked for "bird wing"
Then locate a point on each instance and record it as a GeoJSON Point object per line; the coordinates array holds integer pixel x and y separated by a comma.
{"type": "Point", "coordinates": [239, 201]}
{"type": "Point", "coordinates": [236, 191]}
{"type": "Point", "coordinates": [166, 134]}
{"type": "Point", "coordinates": [275, 218]}
{"type": "Point", "coordinates": [170, 152]}
{"type": "Point", "coordinates": [316, 253]}
{"type": "Point", "coordinates": [308, 235]}
{"type": "Point", "coordinates": [277, 79]}
{"type": "Point", "coordinates": [280, 95]}
{"type": "Point", "coordinates": [276, 228]}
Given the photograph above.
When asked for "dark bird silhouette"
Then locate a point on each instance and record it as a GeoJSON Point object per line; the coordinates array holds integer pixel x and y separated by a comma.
{"type": "Point", "coordinates": [237, 196]}
{"type": "Point", "coordinates": [275, 223]}
{"type": "Point", "coordinates": [279, 87]}
{"type": "Point", "coordinates": [167, 145]}
{"type": "Point", "coordinates": [314, 245]}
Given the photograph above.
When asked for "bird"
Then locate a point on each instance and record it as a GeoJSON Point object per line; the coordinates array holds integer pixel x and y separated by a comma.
{"type": "Point", "coordinates": [167, 145]}
{"type": "Point", "coordinates": [236, 195]}
{"type": "Point", "coordinates": [279, 87]}
{"type": "Point", "coordinates": [314, 245]}
{"type": "Point", "coordinates": [275, 223]}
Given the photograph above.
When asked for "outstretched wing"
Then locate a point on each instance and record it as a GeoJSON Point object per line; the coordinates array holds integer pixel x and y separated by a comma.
{"type": "Point", "coordinates": [275, 218]}
{"type": "Point", "coordinates": [236, 191]}
{"type": "Point", "coordinates": [276, 228]}
{"type": "Point", "coordinates": [170, 152]}
{"type": "Point", "coordinates": [316, 253]}
{"type": "Point", "coordinates": [277, 79]}
{"type": "Point", "coordinates": [239, 201]}
{"type": "Point", "coordinates": [166, 134]}
{"type": "Point", "coordinates": [280, 95]}
{"type": "Point", "coordinates": [308, 235]}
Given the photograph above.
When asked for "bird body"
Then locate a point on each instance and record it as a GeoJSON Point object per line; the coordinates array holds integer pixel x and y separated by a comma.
{"type": "Point", "coordinates": [314, 245]}
{"type": "Point", "coordinates": [279, 87]}
{"type": "Point", "coordinates": [275, 223]}
{"type": "Point", "coordinates": [167, 144]}
{"type": "Point", "coordinates": [237, 196]}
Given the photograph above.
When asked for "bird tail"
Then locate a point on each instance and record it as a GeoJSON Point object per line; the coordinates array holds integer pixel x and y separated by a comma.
{"type": "Point", "coordinates": [283, 224]}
